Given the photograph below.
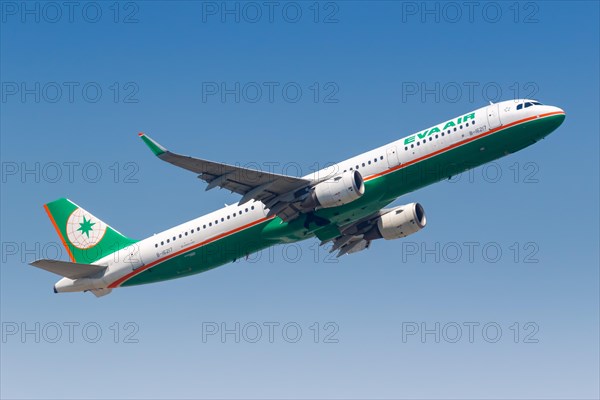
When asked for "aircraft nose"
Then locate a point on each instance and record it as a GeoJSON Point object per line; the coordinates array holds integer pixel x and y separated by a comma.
{"type": "Point", "coordinates": [560, 114]}
{"type": "Point", "coordinates": [554, 117]}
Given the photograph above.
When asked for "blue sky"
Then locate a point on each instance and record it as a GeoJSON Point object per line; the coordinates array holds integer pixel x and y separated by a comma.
{"type": "Point", "coordinates": [77, 86]}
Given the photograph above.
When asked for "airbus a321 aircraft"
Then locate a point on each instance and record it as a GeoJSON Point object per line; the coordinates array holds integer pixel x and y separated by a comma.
{"type": "Point", "coordinates": [344, 204]}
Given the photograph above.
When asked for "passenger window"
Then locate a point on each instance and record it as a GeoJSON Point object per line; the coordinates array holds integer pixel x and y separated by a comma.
{"type": "Point", "coordinates": [519, 106]}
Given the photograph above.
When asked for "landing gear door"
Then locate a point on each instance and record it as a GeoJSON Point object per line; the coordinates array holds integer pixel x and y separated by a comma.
{"type": "Point", "coordinates": [392, 156]}
{"type": "Point", "coordinates": [493, 116]}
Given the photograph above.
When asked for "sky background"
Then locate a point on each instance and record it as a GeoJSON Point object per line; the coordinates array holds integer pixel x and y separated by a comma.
{"type": "Point", "coordinates": [367, 74]}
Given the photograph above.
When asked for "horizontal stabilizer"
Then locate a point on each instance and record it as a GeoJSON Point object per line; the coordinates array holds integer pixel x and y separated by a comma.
{"type": "Point", "coordinates": [69, 269]}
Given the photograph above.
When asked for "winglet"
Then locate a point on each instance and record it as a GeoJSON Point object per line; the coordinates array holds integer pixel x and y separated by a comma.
{"type": "Point", "coordinates": [156, 148]}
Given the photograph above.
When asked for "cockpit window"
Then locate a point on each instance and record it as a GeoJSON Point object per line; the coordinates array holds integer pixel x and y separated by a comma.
{"type": "Point", "coordinates": [528, 104]}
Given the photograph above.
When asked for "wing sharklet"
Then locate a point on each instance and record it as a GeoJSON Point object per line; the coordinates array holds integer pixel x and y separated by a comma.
{"type": "Point", "coordinates": [154, 146]}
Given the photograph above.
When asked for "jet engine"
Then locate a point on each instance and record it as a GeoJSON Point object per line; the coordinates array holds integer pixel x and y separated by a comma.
{"type": "Point", "coordinates": [337, 191]}
{"type": "Point", "coordinates": [399, 222]}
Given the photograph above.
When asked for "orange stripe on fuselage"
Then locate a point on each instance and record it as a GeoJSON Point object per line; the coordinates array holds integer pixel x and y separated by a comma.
{"type": "Point", "coordinates": [195, 246]}
{"type": "Point", "coordinates": [59, 234]}
{"type": "Point", "coordinates": [160, 260]}
{"type": "Point", "coordinates": [452, 146]}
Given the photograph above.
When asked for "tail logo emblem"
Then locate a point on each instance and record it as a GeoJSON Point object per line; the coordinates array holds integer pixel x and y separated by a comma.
{"type": "Point", "coordinates": [84, 230]}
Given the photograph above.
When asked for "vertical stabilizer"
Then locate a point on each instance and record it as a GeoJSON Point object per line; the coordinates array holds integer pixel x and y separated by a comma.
{"type": "Point", "coordinates": [86, 238]}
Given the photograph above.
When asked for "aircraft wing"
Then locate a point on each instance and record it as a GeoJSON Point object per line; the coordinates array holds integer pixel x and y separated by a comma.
{"type": "Point", "coordinates": [275, 190]}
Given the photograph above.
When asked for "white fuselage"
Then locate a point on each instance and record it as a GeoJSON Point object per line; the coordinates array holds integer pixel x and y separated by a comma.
{"type": "Point", "coordinates": [371, 164]}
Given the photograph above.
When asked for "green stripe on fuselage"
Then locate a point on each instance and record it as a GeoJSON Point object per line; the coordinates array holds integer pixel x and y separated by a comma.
{"type": "Point", "coordinates": [379, 192]}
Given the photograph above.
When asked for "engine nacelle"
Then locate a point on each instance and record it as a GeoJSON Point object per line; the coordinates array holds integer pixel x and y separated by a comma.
{"type": "Point", "coordinates": [337, 191]}
{"type": "Point", "coordinates": [400, 222]}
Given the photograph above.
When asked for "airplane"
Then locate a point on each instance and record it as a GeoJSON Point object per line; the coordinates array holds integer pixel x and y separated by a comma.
{"type": "Point", "coordinates": [345, 204]}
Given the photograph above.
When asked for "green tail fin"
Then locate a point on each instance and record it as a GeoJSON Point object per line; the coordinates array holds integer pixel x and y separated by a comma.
{"type": "Point", "coordinates": [86, 238]}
